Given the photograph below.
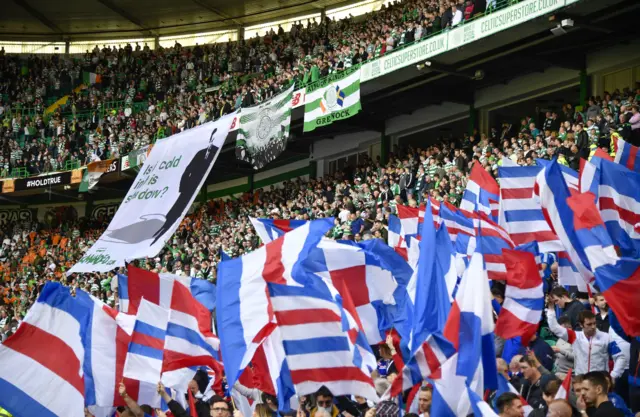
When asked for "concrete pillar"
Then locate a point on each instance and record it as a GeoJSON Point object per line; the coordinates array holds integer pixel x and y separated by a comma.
{"type": "Point", "coordinates": [473, 119]}
{"type": "Point", "coordinates": [156, 42]}
{"type": "Point", "coordinates": [66, 47]}
{"type": "Point", "coordinates": [313, 169]}
{"type": "Point", "coordinates": [385, 148]}
{"type": "Point", "coordinates": [241, 33]}
{"type": "Point", "coordinates": [584, 88]}
{"type": "Point", "coordinates": [250, 181]}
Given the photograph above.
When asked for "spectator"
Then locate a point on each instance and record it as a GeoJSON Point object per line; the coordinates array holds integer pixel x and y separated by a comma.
{"type": "Point", "coordinates": [509, 405]}
{"type": "Point", "coordinates": [595, 396]}
{"type": "Point", "coordinates": [563, 351]}
{"type": "Point", "coordinates": [590, 345]}
{"type": "Point", "coordinates": [571, 308]}
{"type": "Point", "coordinates": [531, 389]}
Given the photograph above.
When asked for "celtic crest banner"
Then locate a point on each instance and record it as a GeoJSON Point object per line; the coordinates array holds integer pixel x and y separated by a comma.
{"type": "Point", "coordinates": [333, 98]}
{"type": "Point", "coordinates": [264, 129]}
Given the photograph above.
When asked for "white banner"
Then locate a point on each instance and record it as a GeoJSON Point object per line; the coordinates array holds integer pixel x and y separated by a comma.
{"type": "Point", "coordinates": [502, 19]}
{"type": "Point", "coordinates": [413, 54]}
{"type": "Point", "coordinates": [159, 198]}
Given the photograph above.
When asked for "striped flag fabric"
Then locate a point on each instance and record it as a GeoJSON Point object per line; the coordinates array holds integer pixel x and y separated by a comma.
{"type": "Point", "coordinates": [617, 193]}
{"type": "Point", "coordinates": [482, 193]}
{"type": "Point", "coordinates": [395, 238]}
{"type": "Point", "coordinates": [245, 315]}
{"type": "Point", "coordinates": [565, 388]}
{"type": "Point", "coordinates": [479, 406]}
{"type": "Point", "coordinates": [570, 176]}
{"type": "Point", "coordinates": [335, 97]}
{"type": "Point", "coordinates": [90, 78]}
{"type": "Point", "coordinates": [505, 386]}
{"type": "Point", "coordinates": [319, 350]}
{"type": "Point", "coordinates": [470, 327]}
{"type": "Point", "coordinates": [33, 380]}
{"type": "Point", "coordinates": [568, 274]}
{"type": "Point", "coordinates": [627, 155]}
{"type": "Point", "coordinates": [427, 349]}
{"type": "Point", "coordinates": [92, 174]}
{"type": "Point", "coordinates": [158, 289]}
{"type": "Point", "coordinates": [371, 274]}
{"type": "Point", "coordinates": [270, 229]}
{"type": "Point", "coordinates": [524, 297]}
{"type": "Point", "coordinates": [190, 341]}
{"type": "Point", "coordinates": [520, 211]}
{"type": "Point", "coordinates": [618, 278]}
{"type": "Point", "coordinates": [145, 354]}
{"type": "Point", "coordinates": [264, 130]}
{"type": "Point", "coordinates": [554, 192]}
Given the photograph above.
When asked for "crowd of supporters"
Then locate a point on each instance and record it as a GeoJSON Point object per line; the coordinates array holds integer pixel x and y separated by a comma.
{"type": "Point", "coordinates": [169, 85]}
{"type": "Point", "coordinates": [145, 94]}
{"type": "Point", "coordinates": [361, 198]}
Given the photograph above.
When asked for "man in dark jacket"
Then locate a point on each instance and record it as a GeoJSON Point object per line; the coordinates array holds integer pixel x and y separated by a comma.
{"type": "Point", "coordinates": [582, 141]}
{"type": "Point", "coordinates": [571, 308]}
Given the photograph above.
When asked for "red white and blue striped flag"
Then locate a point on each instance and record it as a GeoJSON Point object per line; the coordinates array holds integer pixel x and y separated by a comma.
{"type": "Point", "coordinates": [144, 358]}
{"type": "Point", "coordinates": [524, 297]}
{"type": "Point", "coordinates": [520, 211]}
{"type": "Point", "coordinates": [41, 372]}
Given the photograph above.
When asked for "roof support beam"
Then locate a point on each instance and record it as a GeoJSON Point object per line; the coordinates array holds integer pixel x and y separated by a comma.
{"type": "Point", "coordinates": [215, 10]}
{"type": "Point", "coordinates": [39, 16]}
{"type": "Point", "coordinates": [126, 15]}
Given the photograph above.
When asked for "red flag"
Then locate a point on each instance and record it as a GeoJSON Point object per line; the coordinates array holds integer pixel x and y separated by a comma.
{"type": "Point", "coordinates": [192, 405]}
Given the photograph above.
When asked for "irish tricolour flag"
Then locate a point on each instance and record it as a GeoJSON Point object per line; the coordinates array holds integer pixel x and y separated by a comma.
{"type": "Point", "coordinates": [333, 98]}
{"type": "Point", "coordinates": [90, 78]}
{"type": "Point", "coordinates": [92, 174]}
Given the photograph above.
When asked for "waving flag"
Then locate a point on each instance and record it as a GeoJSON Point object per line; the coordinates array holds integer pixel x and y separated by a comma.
{"type": "Point", "coordinates": [157, 288]}
{"type": "Point", "coordinates": [269, 229]}
{"type": "Point", "coordinates": [395, 238]}
{"type": "Point", "coordinates": [144, 358]}
{"type": "Point", "coordinates": [190, 341]}
{"type": "Point", "coordinates": [428, 349]}
{"type": "Point", "coordinates": [617, 278]}
{"type": "Point", "coordinates": [565, 388]}
{"type": "Point", "coordinates": [319, 349]}
{"type": "Point", "coordinates": [456, 222]}
{"type": "Point", "coordinates": [524, 297]}
{"type": "Point", "coordinates": [106, 338]}
{"type": "Point", "coordinates": [617, 192]}
{"type": "Point", "coordinates": [520, 211]}
{"type": "Point", "coordinates": [450, 395]}
{"type": "Point", "coordinates": [627, 155]}
{"type": "Point", "coordinates": [479, 406]}
{"type": "Point", "coordinates": [571, 177]}
{"type": "Point", "coordinates": [505, 386]}
{"type": "Point", "coordinates": [374, 276]}
{"type": "Point", "coordinates": [470, 327]}
{"type": "Point", "coordinates": [482, 193]}
{"type": "Point", "coordinates": [568, 274]}
{"type": "Point", "coordinates": [41, 372]}
{"type": "Point", "coordinates": [244, 313]}
{"type": "Point", "coordinates": [553, 191]}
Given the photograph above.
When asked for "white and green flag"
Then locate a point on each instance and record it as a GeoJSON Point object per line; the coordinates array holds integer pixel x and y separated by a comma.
{"type": "Point", "coordinates": [264, 129]}
{"type": "Point", "coordinates": [333, 98]}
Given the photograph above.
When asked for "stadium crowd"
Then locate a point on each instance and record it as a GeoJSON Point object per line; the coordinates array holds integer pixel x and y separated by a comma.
{"type": "Point", "coordinates": [361, 198]}
{"type": "Point", "coordinates": [171, 84]}
{"type": "Point", "coordinates": [177, 88]}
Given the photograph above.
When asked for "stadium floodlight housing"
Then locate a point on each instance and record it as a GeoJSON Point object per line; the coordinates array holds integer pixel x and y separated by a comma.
{"type": "Point", "coordinates": [561, 29]}
{"type": "Point", "coordinates": [420, 67]}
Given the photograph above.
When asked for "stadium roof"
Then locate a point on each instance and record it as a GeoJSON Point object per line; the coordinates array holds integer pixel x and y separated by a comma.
{"type": "Point", "coordinates": [77, 19]}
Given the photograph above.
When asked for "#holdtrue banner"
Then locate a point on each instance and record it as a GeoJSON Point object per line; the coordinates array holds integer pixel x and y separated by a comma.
{"type": "Point", "coordinates": [159, 198]}
{"type": "Point", "coordinates": [335, 97]}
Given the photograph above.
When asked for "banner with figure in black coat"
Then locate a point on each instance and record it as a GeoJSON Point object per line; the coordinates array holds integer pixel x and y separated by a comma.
{"type": "Point", "coordinates": [159, 198]}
